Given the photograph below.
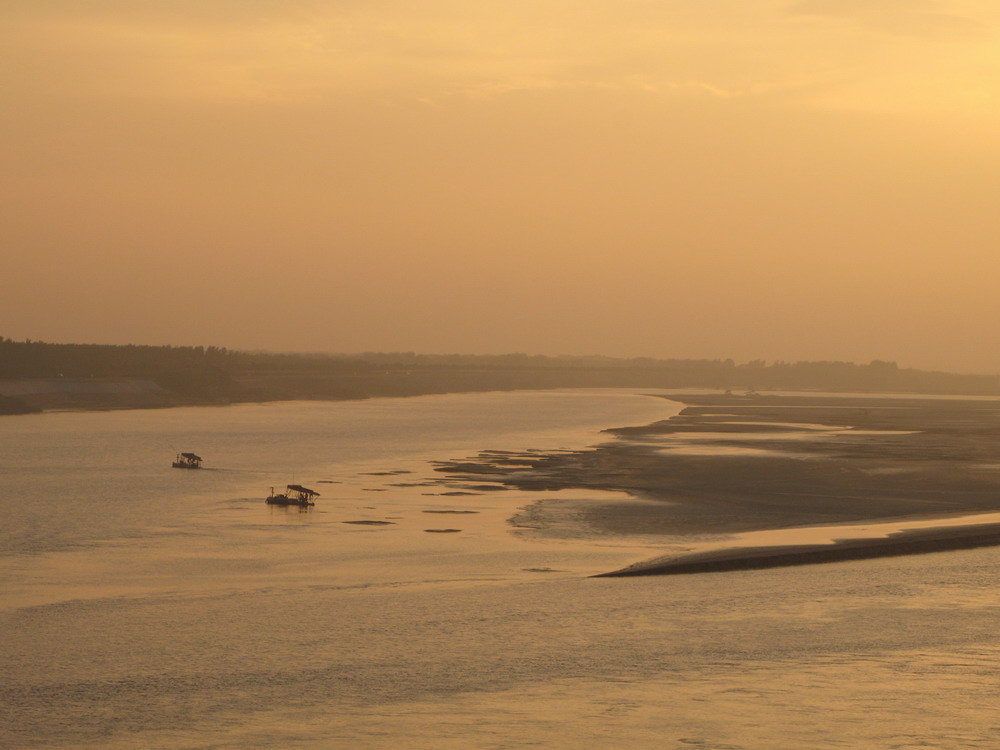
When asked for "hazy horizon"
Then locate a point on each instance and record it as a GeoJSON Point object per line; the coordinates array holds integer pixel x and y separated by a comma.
{"type": "Point", "coordinates": [450, 354]}
{"type": "Point", "coordinates": [775, 179]}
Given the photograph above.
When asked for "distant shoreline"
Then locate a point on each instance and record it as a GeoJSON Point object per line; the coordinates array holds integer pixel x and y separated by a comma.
{"type": "Point", "coordinates": [46, 395]}
{"type": "Point", "coordinates": [42, 395]}
{"type": "Point", "coordinates": [36, 375]}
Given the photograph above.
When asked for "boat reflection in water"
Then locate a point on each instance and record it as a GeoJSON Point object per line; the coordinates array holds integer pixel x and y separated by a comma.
{"type": "Point", "coordinates": [295, 494]}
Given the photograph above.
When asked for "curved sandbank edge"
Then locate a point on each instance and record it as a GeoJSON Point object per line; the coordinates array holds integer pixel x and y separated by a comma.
{"type": "Point", "coordinates": [912, 542]}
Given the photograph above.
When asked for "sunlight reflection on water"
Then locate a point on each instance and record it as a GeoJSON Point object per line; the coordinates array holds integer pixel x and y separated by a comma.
{"type": "Point", "coordinates": [145, 608]}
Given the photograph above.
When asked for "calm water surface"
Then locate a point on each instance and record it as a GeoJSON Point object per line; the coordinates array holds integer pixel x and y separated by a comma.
{"type": "Point", "coordinates": [149, 607]}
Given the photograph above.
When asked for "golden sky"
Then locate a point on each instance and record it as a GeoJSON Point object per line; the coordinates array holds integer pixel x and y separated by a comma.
{"type": "Point", "coordinates": [775, 179]}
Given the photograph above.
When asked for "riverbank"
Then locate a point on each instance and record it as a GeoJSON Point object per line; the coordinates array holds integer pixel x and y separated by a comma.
{"type": "Point", "coordinates": [729, 465]}
{"type": "Point", "coordinates": [35, 376]}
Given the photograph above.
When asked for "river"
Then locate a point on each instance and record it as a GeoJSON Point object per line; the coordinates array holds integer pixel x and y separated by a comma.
{"type": "Point", "coordinates": [147, 607]}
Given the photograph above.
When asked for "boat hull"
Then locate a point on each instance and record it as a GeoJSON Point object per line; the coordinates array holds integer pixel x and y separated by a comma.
{"type": "Point", "coordinates": [282, 500]}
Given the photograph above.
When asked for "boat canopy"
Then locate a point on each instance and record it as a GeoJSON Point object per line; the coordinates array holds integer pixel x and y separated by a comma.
{"type": "Point", "coordinates": [303, 490]}
{"type": "Point", "coordinates": [192, 456]}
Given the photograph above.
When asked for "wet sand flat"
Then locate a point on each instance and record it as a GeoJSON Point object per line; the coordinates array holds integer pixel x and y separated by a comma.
{"type": "Point", "coordinates": [728, 465]}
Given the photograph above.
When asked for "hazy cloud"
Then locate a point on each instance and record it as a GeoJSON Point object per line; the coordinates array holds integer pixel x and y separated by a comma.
{"type": "Point", "coordinates": [925, 18]}
{"type": "Point", "coordinates": [534, 175]}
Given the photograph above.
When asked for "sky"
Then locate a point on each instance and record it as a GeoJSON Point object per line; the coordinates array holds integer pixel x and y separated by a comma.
{"type": "Point", "coordinates": [746, 179]}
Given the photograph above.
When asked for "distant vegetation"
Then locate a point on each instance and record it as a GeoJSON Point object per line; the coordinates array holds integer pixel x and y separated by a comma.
{"type": "Point", "coordinates": [195, 374]}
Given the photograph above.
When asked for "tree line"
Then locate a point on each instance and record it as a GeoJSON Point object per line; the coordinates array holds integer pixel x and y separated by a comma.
{"type": "Point", "coordinates": [198, 374]}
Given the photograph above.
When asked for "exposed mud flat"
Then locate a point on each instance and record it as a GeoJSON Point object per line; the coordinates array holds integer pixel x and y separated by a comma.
{"type": "Point", "coordinates": [727, 465]}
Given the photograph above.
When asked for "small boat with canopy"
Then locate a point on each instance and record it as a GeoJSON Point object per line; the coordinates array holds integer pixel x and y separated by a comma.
{"type": "Point", "coordinates": [294, 494]}
{"type": "Point", "coordinates": [187, 461]}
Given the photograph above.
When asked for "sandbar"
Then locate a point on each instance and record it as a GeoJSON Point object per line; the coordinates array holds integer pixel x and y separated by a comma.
{"type": "Point", "coordinates": [728, 465]}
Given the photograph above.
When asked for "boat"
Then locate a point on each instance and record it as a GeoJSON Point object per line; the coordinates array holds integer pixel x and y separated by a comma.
{"type": "Point", "coordinates": [294, 494]}
{"type": "Point", "coordinates": [187, 461]}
